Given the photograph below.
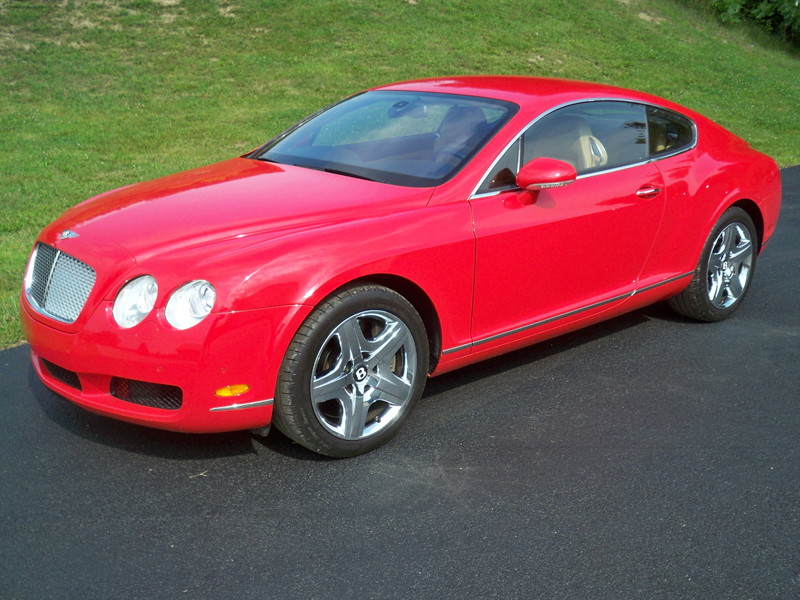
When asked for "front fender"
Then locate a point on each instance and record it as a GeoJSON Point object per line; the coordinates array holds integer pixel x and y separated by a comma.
{"type": "Point", "coordinates": [433, 247]}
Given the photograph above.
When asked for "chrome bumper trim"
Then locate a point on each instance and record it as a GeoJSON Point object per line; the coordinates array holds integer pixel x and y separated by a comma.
{"type": "Point", "coordinates": [243, 405]}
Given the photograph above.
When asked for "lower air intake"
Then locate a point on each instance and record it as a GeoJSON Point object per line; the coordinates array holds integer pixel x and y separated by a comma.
{"type": "Point", "coordinates": [63, 375]}
{"type": "Point", "coordinates": [154, 395]}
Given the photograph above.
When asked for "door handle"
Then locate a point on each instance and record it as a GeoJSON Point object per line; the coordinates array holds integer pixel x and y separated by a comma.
{"type": "Point", "coordinates": [648, 191]}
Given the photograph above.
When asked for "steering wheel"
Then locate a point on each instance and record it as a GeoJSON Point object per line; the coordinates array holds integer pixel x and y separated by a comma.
{"type": "Point", "coordinates": [448, 152]}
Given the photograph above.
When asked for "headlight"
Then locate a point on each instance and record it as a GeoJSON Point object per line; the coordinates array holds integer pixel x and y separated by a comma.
{"type": "Point", "coordinates": [190, 304]}
{"type": "Point", "coordinates": [135, 301]}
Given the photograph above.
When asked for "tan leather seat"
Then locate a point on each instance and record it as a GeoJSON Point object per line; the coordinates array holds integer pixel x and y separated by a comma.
{"type": "Point", "coordinates": [658, 137]}
{"type": "Point", "coordinates": [568, 138]}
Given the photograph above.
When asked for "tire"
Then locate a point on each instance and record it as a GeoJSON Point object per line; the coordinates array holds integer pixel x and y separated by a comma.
{"type": "Point", "coordinates": [724, 272]}
{"type": "Point", "coordinates": [353, 372]}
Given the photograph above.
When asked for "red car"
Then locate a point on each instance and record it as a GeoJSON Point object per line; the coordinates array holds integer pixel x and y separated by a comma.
{"type": "Point", "coordinates": [403, 232]}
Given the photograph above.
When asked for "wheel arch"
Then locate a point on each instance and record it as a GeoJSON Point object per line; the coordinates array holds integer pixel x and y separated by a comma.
{"type": "Point", "coordinates": [754, 212]}
{"type": "Point", "coordinates": [418, 298]}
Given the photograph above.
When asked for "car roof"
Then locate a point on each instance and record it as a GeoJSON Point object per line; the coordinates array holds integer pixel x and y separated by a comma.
{"type": "Point", "coordinates": [534, 93]}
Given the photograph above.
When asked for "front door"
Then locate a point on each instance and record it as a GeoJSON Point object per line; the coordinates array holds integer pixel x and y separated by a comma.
{"type": "Point", "coordinates": [542, 256]}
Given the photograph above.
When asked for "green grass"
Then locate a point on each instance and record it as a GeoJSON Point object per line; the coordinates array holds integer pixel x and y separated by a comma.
{"type": "Point", "coordinates": [95, 94]}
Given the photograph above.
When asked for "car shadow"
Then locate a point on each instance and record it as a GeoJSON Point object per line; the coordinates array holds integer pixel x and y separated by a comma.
{"type": "Point", "coordinates": [157, 442]}
{"type": "Point", "coordinates": [563, 343]}
{"type": "Point", "coordinates": [184, 446]}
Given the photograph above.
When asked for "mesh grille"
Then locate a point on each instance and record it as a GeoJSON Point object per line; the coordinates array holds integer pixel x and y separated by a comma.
{"type": "Point", "coordinates": [62, 374]}
{"type": "Point", "coordinates": [154, 395]}
{"type": "Point", "coordinates": [59, 283]}
{"type": "Point", "coordinates": [45, 257]}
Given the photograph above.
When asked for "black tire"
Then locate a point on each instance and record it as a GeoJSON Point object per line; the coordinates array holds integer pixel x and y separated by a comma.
{"type": "Point", "coordinates": [724, 272]}
{"type": "Point", "coordinates": [353, 372]}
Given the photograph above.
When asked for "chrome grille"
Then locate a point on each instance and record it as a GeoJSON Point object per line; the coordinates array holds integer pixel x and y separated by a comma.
{"type": "Point", "coordinates": [58, 284]}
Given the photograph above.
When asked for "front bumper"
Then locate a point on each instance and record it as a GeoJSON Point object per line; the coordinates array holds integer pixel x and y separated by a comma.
{"type": "Point", "coordinates": [225, 349]}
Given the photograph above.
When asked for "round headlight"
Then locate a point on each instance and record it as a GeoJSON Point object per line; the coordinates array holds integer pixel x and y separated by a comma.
{"type": "Point", "coordinates": [135, 301]}
{"type": "Point", "coordinates": [190, 304]}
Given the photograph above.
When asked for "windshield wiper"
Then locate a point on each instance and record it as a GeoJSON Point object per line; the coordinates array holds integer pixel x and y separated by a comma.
{"type": "Point", "coordinates": [339, 172]}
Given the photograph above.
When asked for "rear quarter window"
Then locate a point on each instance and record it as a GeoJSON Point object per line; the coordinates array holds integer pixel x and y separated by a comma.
{"type": "Point", "coordinates": [670, 132]}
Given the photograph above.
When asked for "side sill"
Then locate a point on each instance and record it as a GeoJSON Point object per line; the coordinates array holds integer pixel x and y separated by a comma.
{"type": "Point", "coordinates": [564, 315]}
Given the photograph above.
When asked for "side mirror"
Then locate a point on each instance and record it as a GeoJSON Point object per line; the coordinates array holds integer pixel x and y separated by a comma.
{"type": "Point", "coordinates": [543, 173]}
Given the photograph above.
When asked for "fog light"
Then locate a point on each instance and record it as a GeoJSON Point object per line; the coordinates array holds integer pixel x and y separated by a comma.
{"type": "Point", "coordinates": [232, 390]}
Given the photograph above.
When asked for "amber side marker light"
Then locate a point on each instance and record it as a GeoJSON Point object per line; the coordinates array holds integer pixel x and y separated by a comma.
{"type": "Point", "coordinates": [232, 390]}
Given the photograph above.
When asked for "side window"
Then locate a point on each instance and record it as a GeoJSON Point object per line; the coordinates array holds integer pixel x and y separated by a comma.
{"type": "Point", "coordinates": [669, 132]}
{"type": "Point", "coordinates": [503, 175]}
{"type": "Point", "coordinates": [592, 136]}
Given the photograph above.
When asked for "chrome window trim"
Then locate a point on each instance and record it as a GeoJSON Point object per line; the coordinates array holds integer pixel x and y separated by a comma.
{"type": "Point", "coordinates": [614, 169]}
{"type": "Point", "coordinates": [584, 176]}
{"type": "Point", "coordinates": [691, 146]}
{"type": "Point", "coordinates": [564, 315]}
{"type": "Point", "coordinates": [524, 130]}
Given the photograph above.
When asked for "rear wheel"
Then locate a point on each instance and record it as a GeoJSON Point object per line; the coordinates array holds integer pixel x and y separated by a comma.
{"type": "Point", "coordinates": [353, 372]}
{"type": "Point", "coordinates": [724, 272]}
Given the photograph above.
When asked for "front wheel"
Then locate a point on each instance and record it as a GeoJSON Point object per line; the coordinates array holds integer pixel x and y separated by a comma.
{"type": "Point", "coordinates": [353, 372]}
{"type": "Point", "coordinates": [724, 272]}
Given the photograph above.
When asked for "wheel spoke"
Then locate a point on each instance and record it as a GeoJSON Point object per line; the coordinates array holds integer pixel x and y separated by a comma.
{"type": "Point", "coordinates": [715, 289]}
{"type": "Point", "coordinates": [328, 386]}
{"type": "Point", "coordinates": [735, 287]}
{"type": "Point", "coordinates": [354, 415]}
{"type": "Point", "coordinates": [392, 389]}
{"type": "Point", "coordinates": [389, 342]}
{"type": "Point", "coordinates": [728, 238]}
{"type": "Point", "coordinates": [742, 252]}
{"type": "Point", "coordinates": [352, 339]}
{"type": "Point", "coordinates": [715, 261]}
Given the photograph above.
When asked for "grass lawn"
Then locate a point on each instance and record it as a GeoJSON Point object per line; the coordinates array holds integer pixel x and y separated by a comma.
{"type": "Point", "coordinates": [95, 94]}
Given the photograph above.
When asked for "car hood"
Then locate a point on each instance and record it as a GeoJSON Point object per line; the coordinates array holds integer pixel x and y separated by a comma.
{"type": "Point", "coordinates": [236, 198]}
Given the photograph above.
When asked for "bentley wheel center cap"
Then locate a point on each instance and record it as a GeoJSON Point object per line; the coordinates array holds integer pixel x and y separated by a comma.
{"type": "Point", "coordinates": [360, 373]}
{"type": "Point", "coordinates": [727, 269]}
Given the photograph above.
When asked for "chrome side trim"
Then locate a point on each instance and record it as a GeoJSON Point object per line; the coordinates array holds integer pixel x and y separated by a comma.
{"type": "Point", "coordinates": [243, 405]}
{"type": "Point", "coordinates": [551, 319]}
{"type": "Point", "coordinates": [457, 348]}
{"type": "Point", "coordinates": [566, 314]}
{"type": "Point", "coordinates": [660, 283]}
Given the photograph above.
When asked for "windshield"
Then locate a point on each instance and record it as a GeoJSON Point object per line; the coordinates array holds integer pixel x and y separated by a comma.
{"type": "Point", "coordinates": [402, 138]}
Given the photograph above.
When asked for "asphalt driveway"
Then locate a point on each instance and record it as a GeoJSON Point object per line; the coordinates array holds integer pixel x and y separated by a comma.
{"type": "Point", "coordinates": [646, 457]}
